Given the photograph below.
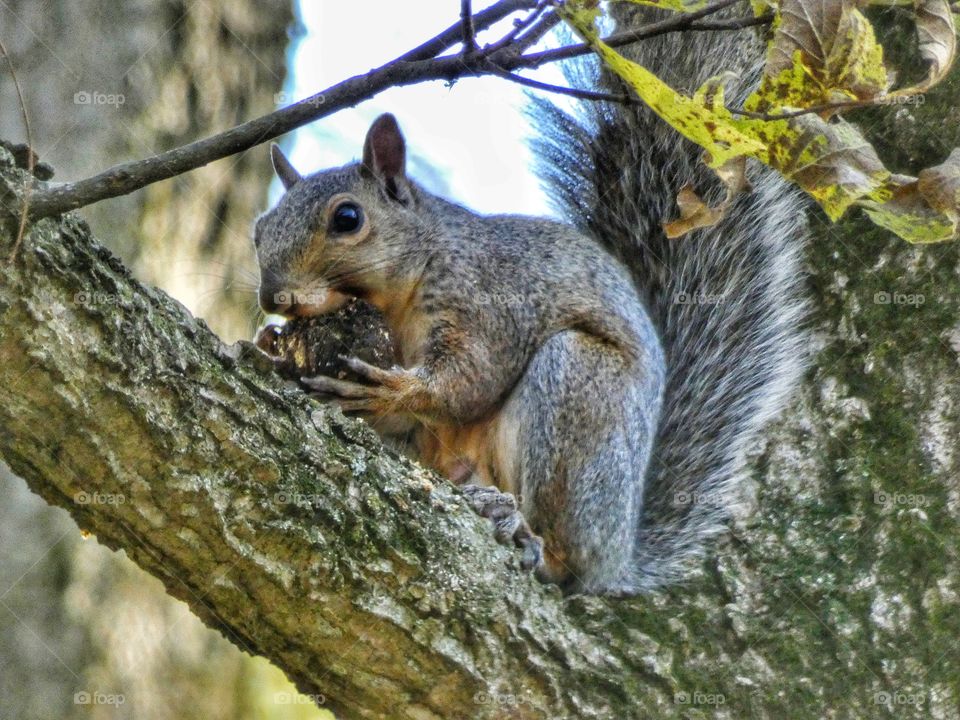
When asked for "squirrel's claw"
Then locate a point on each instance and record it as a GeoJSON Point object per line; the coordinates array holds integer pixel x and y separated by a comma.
{"type": "Point", "coordinates": [350, 397]}
{"type": "Point", "coordinates": [510, 527]}
{"type": "Point", "coordinates": [392, 378]}
{"type": "Point", "coordinates": [334, 386]}
{"type": "Point", "coordinates": [393, 390]}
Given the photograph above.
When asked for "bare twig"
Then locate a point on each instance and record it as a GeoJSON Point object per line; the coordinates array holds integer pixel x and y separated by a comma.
{"type": "Point", "coordinates": [631, 100]}
{"type": "Point", "coordinates": [24, 212]}
{"type": "Point", "coordinates": [518, 27]}
{"type": "Point", "coordinates": [737, 23]}
{"type": "Point", "coordinates": [481, 21]}
{"type": "Point", "coordinates": [128, 177]}
{"type": "Point", "coordinates": [467, 31]}
{"type": "Point", "coordinates": [561, 90]}
{"type": "Point", "coordinates": [533, 35]}
{"type": "Point", "coordinates": [675, 23]}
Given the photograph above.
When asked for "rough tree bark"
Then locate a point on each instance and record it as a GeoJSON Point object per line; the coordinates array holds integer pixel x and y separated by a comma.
{"type": "Point", "coordinates": [183, 69]}
{"type": "Point", "coordinates": [280, 522]}
{"type": "Point", "coordinates": [291, 530]}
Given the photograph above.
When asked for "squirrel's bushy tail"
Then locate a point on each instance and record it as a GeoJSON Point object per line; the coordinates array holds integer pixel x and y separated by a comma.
{"type": "Point", "coordinates": [726, 299]}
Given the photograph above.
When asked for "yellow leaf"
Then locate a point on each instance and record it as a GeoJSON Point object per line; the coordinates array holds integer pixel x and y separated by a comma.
{"type": "Point", "coordinates": [822, 51]}
{"type": "Point", "coordinates": [711, 129]}
{"type": "Point", "coordinates": [925, 209]}
{"type": "Point", "coordinates": [676, 5]}
{"type": "Point", "coordinates": [830, 160]}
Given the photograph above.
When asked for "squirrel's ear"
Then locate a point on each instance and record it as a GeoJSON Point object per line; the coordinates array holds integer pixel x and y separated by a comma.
{"type": "Point", "coordinates": [384, 152]}
{"type": "Point", "coordinates": [285, 171]}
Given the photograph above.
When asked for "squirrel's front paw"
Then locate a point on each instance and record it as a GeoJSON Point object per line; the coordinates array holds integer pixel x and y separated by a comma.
{"type": "Point", "coordinates": [510, 527]}
{"type": "Point", "coordinates": [388, 391]}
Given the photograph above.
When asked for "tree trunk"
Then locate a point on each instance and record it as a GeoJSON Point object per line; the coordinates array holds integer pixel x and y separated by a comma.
{"type": "Point", "coordinates": [184, 70]}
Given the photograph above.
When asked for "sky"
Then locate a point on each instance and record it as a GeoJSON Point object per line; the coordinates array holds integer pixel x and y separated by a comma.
{"type": "Point", "coordinates": [467, 142]}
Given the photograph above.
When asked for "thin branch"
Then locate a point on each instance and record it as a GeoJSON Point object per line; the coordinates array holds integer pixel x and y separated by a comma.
{"type": "Point", "coordinates": [518, 27]}
{"type": "Point", "coordinates": [128, 177]}
{"type": "Point", "coordinates": [675, 23]}
{"type": "Point", "coordinates": [481, 21]}
{"type": "Point", "coordinates": [28, 187]}
{"type": "Point", "coordinates": [467, 31]}
{"type": "Point", "coordinates": [561, 90]}
{"type": "Point", "coordinates": [737, 23]}
{"type": "Point", "coordinates": [534, 34]}
{"type": "Point", "coordinates": [595, 96]}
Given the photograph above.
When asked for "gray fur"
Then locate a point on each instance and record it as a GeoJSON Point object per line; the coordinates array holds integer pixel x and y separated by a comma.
{"type": "Point", "coordinates": [615, 171]}
{"type": "Point", "coordinates": [606, 399]}
{"type": "Point", "coordinates": [529, 321]}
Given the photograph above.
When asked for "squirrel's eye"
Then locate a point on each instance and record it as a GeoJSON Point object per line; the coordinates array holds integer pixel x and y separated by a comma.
{"type": "Point", "coordinates": [346, 218]}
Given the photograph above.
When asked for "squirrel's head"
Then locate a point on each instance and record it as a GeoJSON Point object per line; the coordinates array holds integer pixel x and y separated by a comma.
{"type": "Point", "coordinates": [349, 231]}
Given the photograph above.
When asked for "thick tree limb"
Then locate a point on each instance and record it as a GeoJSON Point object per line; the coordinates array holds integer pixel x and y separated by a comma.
{"type": "Point", "coordinates": [281, 523]}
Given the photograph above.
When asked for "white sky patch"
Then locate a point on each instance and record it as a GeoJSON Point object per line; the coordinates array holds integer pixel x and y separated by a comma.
{"type": "Point", "coordinates": [467, 142]}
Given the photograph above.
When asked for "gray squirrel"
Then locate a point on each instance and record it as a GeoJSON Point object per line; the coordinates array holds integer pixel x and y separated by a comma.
{"type": "Point", "coordinates": [593, 386]}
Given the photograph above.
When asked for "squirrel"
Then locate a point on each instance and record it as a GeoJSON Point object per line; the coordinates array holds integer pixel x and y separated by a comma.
{"type": "Point", "coordinates": [593, 385]}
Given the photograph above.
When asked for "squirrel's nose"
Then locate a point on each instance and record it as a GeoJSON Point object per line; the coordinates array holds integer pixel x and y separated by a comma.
{"type": "Point", "coordinates": [274, 301]}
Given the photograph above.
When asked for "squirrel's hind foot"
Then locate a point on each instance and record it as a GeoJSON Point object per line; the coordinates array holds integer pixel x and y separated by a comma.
{"type": "Point", "coordinates": [510, 527]}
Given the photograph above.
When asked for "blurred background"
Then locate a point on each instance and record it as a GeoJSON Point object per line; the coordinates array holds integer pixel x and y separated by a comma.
{"type": "Point", "coordinates": [84, 632]}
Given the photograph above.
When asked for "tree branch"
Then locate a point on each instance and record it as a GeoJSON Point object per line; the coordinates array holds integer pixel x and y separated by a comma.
{"type": "Point", "coordinates": [281, 523]}
{"type": "Point", "coordinates": [518, 27]}
{"type": "Point", "coordinates": [297, 535]}
{"type": "Point", "coordinates": [453, 34]}
{"type": "Point", "coordinates": [128, 177]}
{"type": "Point", "coordinates": [467, 31]}
{"type": "Point", "coordinates": [578, 93]}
